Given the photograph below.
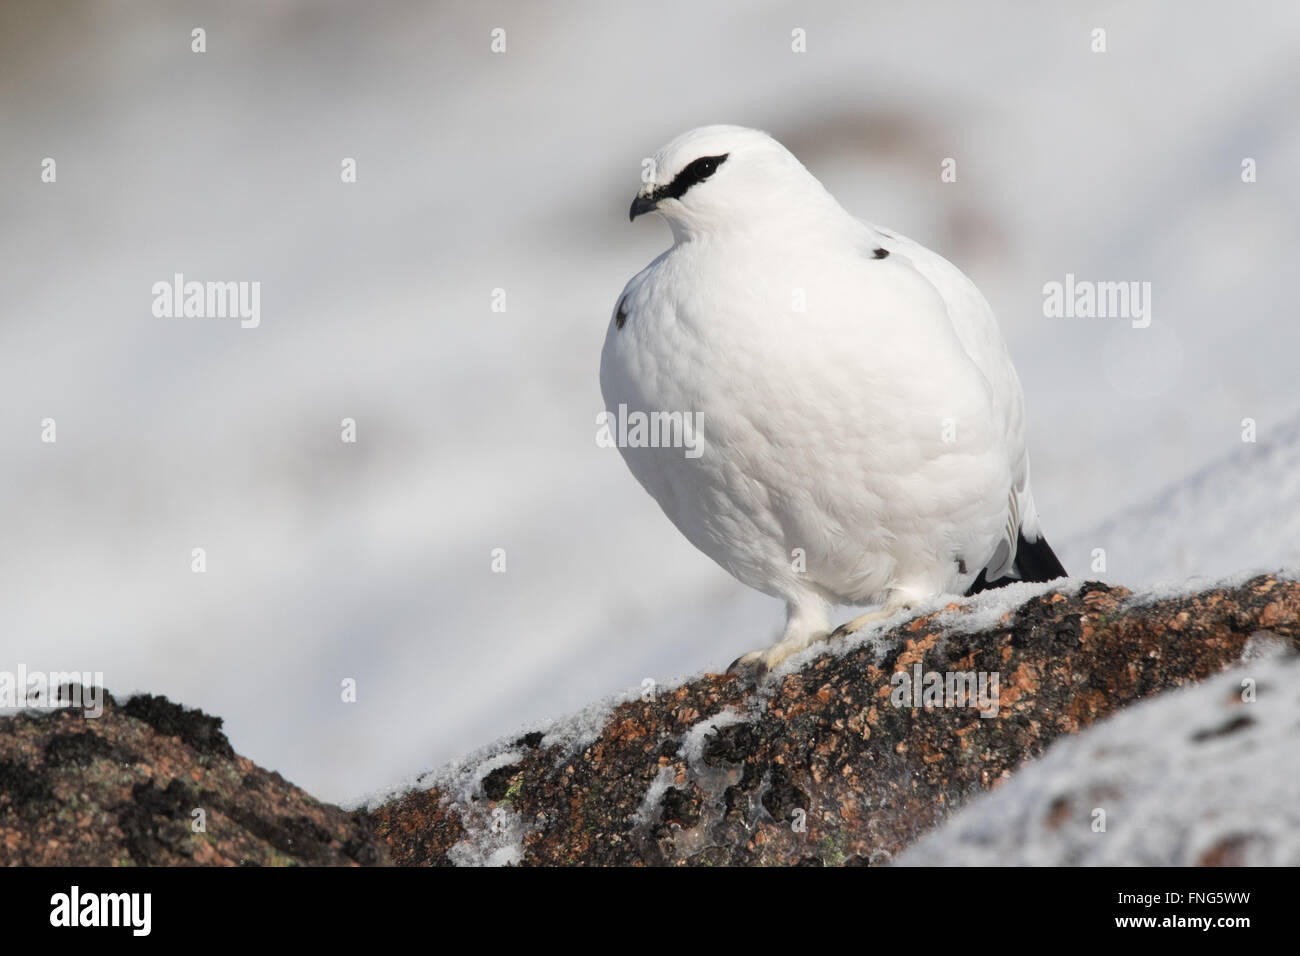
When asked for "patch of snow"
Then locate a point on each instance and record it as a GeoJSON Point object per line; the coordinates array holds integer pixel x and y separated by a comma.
{"type": "Point", "coordinates": [572, 734]}
{"type": "Point", "coordinates": [978, 613]}
{"type": "Point", "coordinates": [1191, 775]}
{"type": "Point", "coordinates": [693, 741]}
{"type": "Point", "coordinates": [494, 837]}
{"type": "Point", "coordinates": [648, 810]}
{"type": "Point", "coordinates": [985, 610]}
{"type": "Point", "coordinates": [1223, 525]}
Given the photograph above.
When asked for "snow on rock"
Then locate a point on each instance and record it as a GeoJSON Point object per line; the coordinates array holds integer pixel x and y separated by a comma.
{"type": "Point", "coordinates": [1206, 775]}
{"type": "Point", "coordinates": [474, 791]}
{"type": "Point", "coordinates": [821, 765]}
{"type": "Point", "coordinates": [824, 763]}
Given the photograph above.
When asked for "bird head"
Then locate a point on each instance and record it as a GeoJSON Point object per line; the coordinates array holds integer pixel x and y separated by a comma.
{"type": "Point", "coordinates": [721, 178]}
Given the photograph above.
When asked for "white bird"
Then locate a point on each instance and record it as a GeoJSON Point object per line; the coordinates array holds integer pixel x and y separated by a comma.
{"type": "Point", "coordinates": [861, 429]}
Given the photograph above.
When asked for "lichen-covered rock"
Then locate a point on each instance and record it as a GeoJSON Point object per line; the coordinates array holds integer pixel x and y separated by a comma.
{"type": "Point", "coordinates": [1202, 776]}
{"type": "Point", "coordinates": [123, 789]}
{"type": "Point", "coordinates": [831, 762]}
{"type": "Point", "coordinates": [847, 755]}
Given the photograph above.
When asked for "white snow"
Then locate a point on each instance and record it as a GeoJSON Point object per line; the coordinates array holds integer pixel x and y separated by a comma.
{"type": "Point", "coordinates": [1230, 520]}
{"type": "Point", "coordinates": [647, 811]}
{"type": "Point", "coordinates": [983, 611]}
{"type": "Point", "coordinates": [692, 748]}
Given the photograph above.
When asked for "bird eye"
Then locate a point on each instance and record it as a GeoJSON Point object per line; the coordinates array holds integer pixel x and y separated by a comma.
{"type": "Point", "coordinates": [704, 167]}
{"type": "Point", "coordinates": [694, 172]}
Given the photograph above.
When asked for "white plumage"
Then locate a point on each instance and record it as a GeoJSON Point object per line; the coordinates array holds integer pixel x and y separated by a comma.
{"type": "Point", "coordinates": [862, 426]}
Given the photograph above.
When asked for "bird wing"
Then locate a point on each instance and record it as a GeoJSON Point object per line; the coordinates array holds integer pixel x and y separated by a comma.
{"type": "Point", "coordinates": [977, 329]}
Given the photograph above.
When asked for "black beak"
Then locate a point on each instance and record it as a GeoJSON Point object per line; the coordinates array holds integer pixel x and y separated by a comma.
{"type": "Point", "coordinates": [639, 205]}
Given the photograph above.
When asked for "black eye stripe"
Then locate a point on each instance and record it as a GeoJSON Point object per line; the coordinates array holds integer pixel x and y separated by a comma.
{"type": "Point", "coordinates": [695, 172]}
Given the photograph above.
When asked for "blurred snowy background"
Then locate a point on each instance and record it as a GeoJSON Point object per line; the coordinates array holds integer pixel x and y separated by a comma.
{"type": "Point", "coordinates": [476, 429]}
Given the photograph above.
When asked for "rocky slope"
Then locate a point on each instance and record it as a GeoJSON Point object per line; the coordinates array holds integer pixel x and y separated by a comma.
{"type": "Point", "coordinates": [151, 783]}
{"type": "Point", "coordinates": [820, 766]}
{"type": "Point", "coordinates": [830, 761]}
{"type": "Point", "coordinates": [1207, 776]}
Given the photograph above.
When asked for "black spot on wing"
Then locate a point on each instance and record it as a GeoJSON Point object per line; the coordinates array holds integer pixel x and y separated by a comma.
{"type": "Point", "coordinates": [880, 253]}
{"type": "Point", "coordinates": [621, 317]}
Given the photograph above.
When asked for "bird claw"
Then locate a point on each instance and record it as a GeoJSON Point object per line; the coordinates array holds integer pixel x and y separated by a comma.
{"type": "Point", "coordinates": [752, 666]}
{"type": "Point", "coordinates": [872, 617]}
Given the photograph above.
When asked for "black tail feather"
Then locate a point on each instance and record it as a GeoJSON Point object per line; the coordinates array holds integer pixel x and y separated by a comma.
{"type": "Point", "coordinates": [1035, 561]}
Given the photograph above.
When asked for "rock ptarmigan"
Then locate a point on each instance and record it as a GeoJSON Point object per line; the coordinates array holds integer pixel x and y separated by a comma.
{"type": "Point", "coordinates": [839, 419]}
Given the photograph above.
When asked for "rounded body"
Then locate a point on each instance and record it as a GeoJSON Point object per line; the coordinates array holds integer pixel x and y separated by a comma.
{"type": "Point", "coordinates": [849, 444]}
